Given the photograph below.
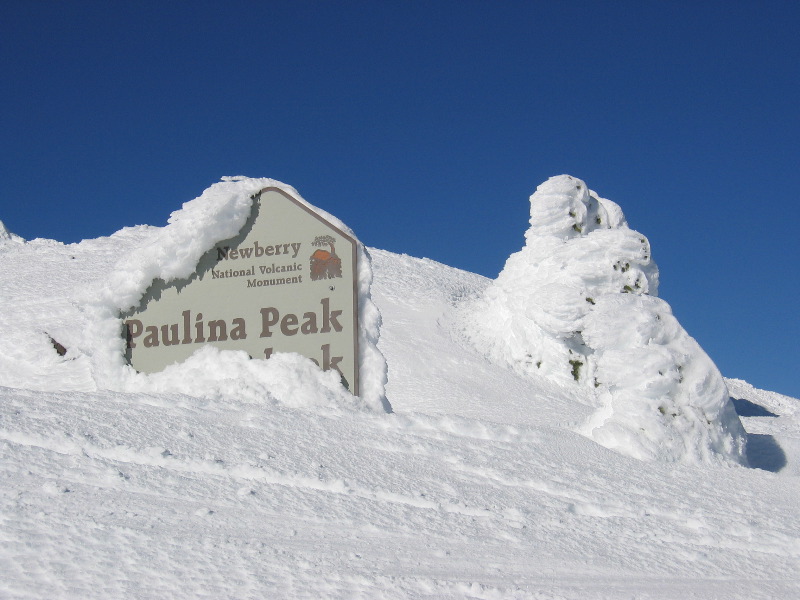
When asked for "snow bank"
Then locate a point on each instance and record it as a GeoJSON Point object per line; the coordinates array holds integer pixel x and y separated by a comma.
{"type": "Point", "coordinates": [286, 378]}
{"type": "Point", "coordinates": [578, 304]}
{"type": "Point", "coordinates": [173, 253]}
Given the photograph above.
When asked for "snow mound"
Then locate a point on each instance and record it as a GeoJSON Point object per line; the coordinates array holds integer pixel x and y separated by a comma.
{"type": "Point", "coordinates": [578, 304]}
{"type": "Point", "coordinates": [286, 378]}
{"type": "Point", "coordinates": [171, 253]}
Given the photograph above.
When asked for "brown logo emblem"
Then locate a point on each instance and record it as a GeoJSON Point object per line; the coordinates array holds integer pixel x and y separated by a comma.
{"type": "Point", "coordinates": [324, 264]}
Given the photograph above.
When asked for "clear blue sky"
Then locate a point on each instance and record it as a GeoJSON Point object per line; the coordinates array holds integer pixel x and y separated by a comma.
{"type": "Point", "coordinates": [426, 126]}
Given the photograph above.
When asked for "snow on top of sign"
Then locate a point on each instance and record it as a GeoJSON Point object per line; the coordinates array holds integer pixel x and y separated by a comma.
{"type": "Point", "coordinates": [578, 305]}
{"type": "Point", "coordinates": [171, 253]}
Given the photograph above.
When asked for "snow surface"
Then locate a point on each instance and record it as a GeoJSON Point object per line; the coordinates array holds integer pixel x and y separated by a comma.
{"type": "Point", "coordinates": [480, 484]}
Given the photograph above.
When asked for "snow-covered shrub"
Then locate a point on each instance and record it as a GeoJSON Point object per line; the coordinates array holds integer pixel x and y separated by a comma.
{"type": "Point", "coordinates": [578, 303]}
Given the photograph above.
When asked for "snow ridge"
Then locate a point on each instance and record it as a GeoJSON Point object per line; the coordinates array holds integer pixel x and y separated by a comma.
{"type": "Point", "coordinates": [578, 304]}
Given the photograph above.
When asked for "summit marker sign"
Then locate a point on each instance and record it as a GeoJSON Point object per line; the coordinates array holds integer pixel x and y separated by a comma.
{"type": "Point", "coordinates": [285, 283]}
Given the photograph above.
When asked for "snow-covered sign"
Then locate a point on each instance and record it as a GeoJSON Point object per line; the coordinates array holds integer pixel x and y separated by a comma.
{"type": "Point", "coordinates": [285, 283]}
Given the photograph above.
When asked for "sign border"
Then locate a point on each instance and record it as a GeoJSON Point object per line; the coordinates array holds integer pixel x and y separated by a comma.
{"type": "Point", "coordinates": [354, 389]}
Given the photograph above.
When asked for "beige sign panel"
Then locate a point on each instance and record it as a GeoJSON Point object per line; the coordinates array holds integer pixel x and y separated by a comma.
{"type": "Point", "coordinates": [285, 283]}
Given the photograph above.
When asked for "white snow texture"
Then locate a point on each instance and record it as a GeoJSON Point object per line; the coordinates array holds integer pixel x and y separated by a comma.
{"type": "Point", "coordinates": [579, 303]}
{"type": "Point", "coordinates": [228, 478]}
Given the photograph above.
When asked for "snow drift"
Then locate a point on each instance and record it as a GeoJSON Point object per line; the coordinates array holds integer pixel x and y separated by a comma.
{"type": "Point", "coordinates": [578, 304]}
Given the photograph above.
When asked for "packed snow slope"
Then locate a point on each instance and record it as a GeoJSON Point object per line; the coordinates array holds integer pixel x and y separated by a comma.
{"type": "Point", "coordinates": [480, 483]}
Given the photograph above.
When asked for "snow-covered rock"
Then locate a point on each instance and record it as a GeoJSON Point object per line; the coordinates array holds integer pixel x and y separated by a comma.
{"type": "Point", "coordinates": [578, 304]}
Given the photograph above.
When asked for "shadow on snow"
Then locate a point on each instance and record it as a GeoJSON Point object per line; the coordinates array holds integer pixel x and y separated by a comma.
{"type": "Point", "coordinates": [745, 408]}
{"type": "Point", "coordinates": [763, 451]}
